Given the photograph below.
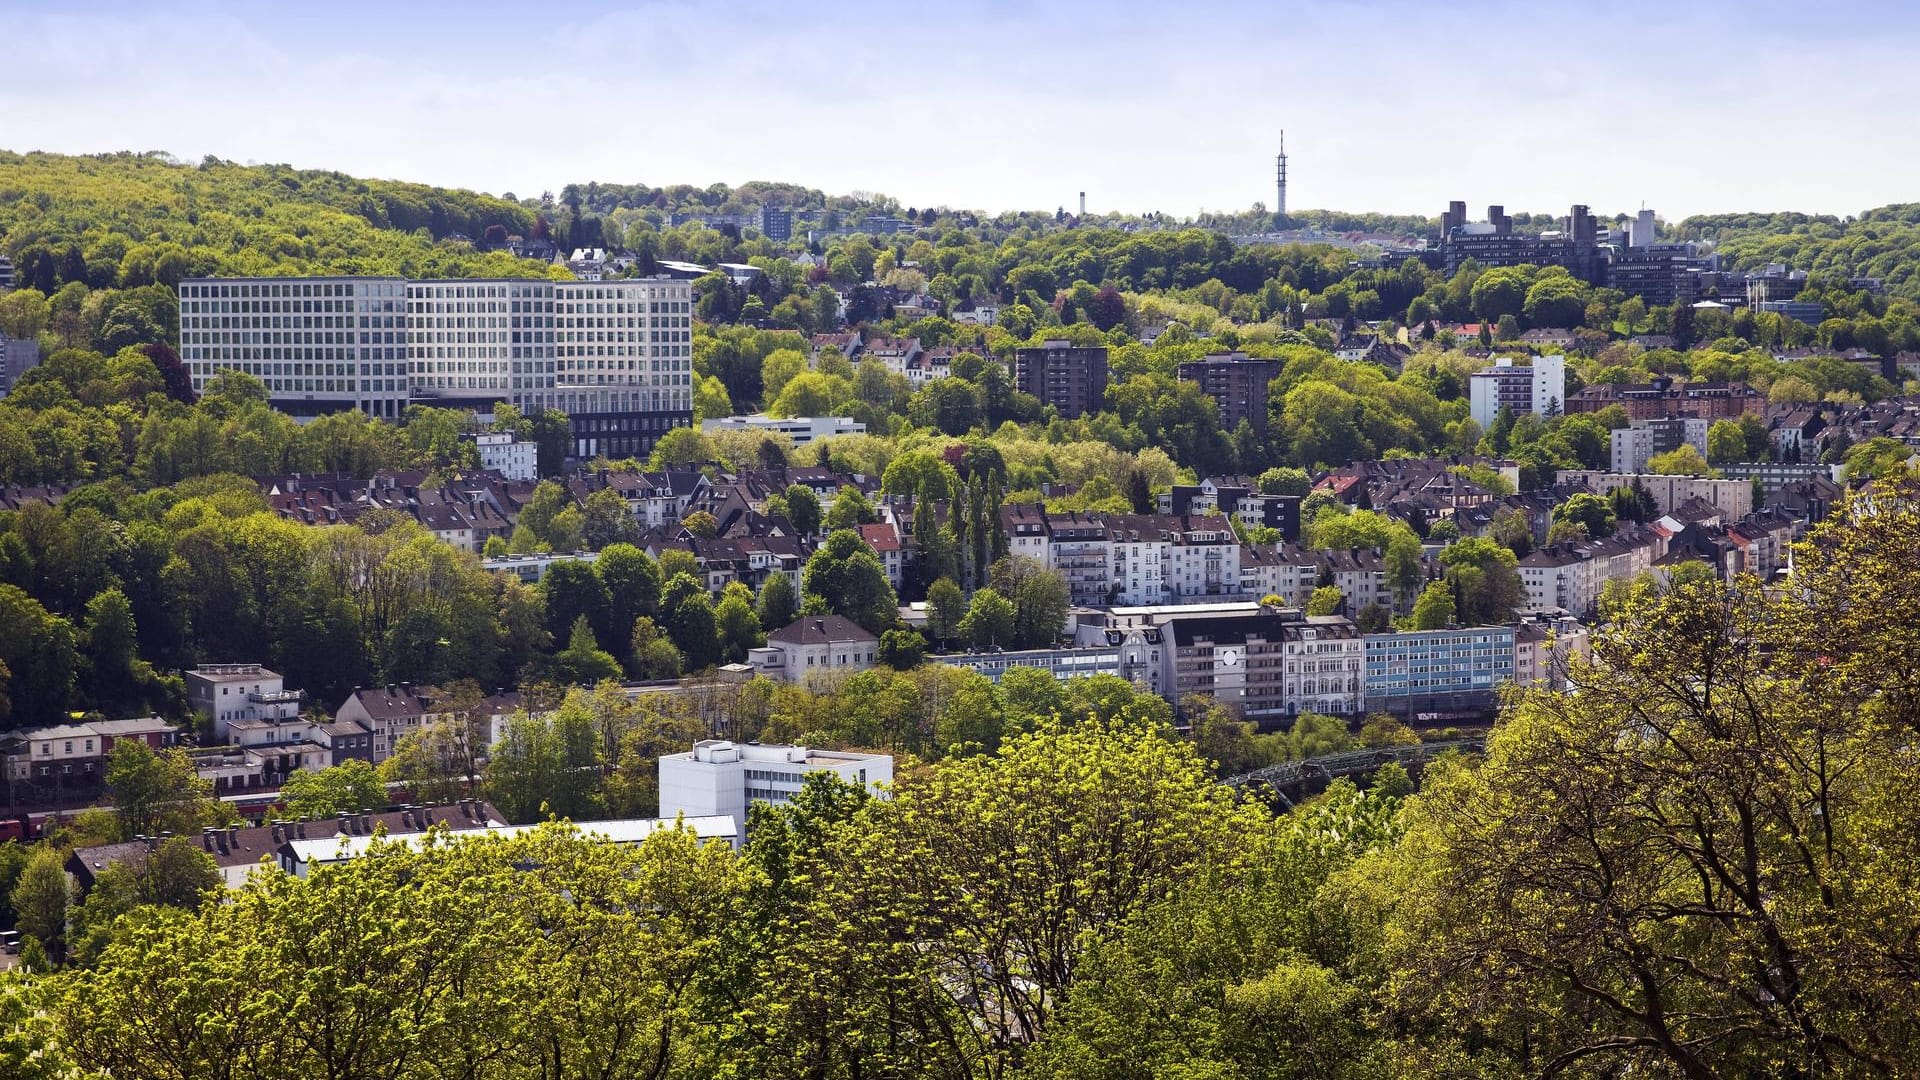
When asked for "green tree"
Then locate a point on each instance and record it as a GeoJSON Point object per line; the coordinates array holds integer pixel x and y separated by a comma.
{"type": "Point", "coordinates": [1595, 513]}
{"type": "Point", "coordinates": [902, 650]}
{"type": "Point", "coordinates": [156, 791]}
{"type": "Point", "coordinates": [583, 662]}
{"type": "Point", "coordinates": [848, 576]}
{"type": "Point", "coordinates": [40, 898]}
{"type": "Point", "coordinates": [1326, 600]}
{"type": "Point", "coordinates": [1434, 609]}
{"type": "Point", "coordinates": [1726, 441]}
{"type": "Point", "coordinates": [991, 620]}
{"type": "Point", "coordinates": [1682, 461]}
{"type": "Point", "coordinates": [778, 602]}
{"type": "Point", "coordinates": [1485, 579]}
{"type": "Point", "coordinates": [736, 623]}
{"type": "Point", "coordinates": [350, 786]}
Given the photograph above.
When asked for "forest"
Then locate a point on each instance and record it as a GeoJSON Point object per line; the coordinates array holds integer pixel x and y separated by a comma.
{"type": "Point", "coordinates": [1695, 862]}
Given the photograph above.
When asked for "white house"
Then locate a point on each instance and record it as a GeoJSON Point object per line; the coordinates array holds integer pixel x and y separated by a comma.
{"type": "Point", "coordinates": [815, 647]}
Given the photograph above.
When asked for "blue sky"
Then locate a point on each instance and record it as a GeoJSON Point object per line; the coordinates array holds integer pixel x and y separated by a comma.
{"type": "Point", "coordinates": [1394, 106]}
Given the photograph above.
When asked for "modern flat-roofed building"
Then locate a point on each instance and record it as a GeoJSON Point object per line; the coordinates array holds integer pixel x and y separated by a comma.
{"type": "Point", "coordinates": [230, 693]}
{"type": "Point", "coordinates": [1453, 670]}
{"type": "Point", "coordinates": [721, 778]}
{"type": "Point", "coordinates": [616, 356]}
{"type": "Point", "coordinates": [1263, 663]}
{"type": "Point", "coordinates": [801, 429]}
{"type": "Point", "coordinates": [1540, 389]}
{"type": "Point", "coordinates": [1632, 447]}
{"type": "Point", "coordinates": [321, 344]}
{"type": "Point", "coordinates": [1071, 378]}
{"type": "Point", "coordinates": [1238, 384]}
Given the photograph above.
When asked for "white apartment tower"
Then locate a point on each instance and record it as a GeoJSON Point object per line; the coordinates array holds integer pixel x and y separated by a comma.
{"type": "Point", "coordinates": [320, 344]}
{"type": "Point", "coordinates": [615, 356]}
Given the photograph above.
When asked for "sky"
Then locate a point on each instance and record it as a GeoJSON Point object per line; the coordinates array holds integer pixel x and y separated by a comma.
{"type": "Point", "coordinates": [1396, 105]}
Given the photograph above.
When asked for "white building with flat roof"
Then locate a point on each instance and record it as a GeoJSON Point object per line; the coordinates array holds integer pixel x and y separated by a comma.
{"type": "Point", "coordinates": [1540, 389]}
{"type": "Point", "coordinates": [801, 429]}
{"type": "Point", "coordinates": [616, 356]}
{"type": "Point", "coordinates": [720, 778]}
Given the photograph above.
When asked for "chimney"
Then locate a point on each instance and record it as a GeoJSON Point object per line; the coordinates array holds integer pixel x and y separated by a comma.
{"type": "Point", "coordinates": [206, 838]}
{"type": "Point", "coordinates": [366, 823]}
{"type": "Point", "coordinates": [300, 830]}
{"type": "Point", "coordinates": [222, 839]}
{"type": "Point", "coordinates": [233, 834]}
{"type": "Point", "coordinates": [346, 822]}
{"type": "Point", "coordinates": [406, 817]}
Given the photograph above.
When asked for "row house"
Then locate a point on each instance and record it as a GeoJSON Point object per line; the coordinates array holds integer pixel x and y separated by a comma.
{"type": "Point", "coordinates": [1572, 575]}
{"type": "Point", "coordinates": [392, 712]}
{"type": "Point", "coordinates": [1282, 570]}
{"type": "Point", "coordinates": [1361, 576]}
{"type": "Point", "coordinates": [68, 756]}
{"type": "Point", "coordinates": [654, 498]}
{"type": "Point", "coordinates": [1266, 664]}
{"type": "Point", "coordinates": [1129, 558]}
{"type": "Point", "coordinates": [750, 560]}
{"type": "Point", "coordinates": [899, 355]}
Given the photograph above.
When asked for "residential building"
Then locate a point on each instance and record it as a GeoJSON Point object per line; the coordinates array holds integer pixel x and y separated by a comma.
{"type": "Point", "coordinates": [1263, 663]}
{"type": "Point", "coordinates": [814, 648]}
{"type": "Point", "coordinates": [228, 693]}
{"type": "Point", "coordinates": [238, 850]}
{"type": "Point", "coordinates": [1545, 643]}
{"type": "Point", "coordinates": [776, 223]}
{"type": "Point", "coordinates": [1459, 669]}
{"type": "Point", "coordinates": [531, 568]}
{"type": "Point", "coordinates": [320, 344]}
{"type": "Point", "coordinates": [718, 778]}
{"type": "Point", "coordinates": [1664, 397]}
{"type": "Point", "coordinates": [1071, 378]}
{"type": "Point", "coordinates": [1539, 389]}
{"type": "Point", "coordinates": [1734, 498]}
{"type": "Point", "coordinates": [800, 429]}
{"type": "Point", "coordinates": [17, 357]}
{"type": "Point", "coordinates": [884, 538]}
{"type": "Point", "coordinates": [67, 757]}
{"type": "Point", "coordinates": [1237, 384]}
{"type": "Point", "coordinates": [502, 453]}
{"type": "Point", "coordinates": [1774, 475]}
{"type": "Point", "coordinates": [1633, 447]}
{"type": "Point", "coordinates": [1571, 576]}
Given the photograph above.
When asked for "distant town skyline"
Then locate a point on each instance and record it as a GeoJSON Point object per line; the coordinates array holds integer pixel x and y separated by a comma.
{"type": "Point", "coordinates": [995, 105]}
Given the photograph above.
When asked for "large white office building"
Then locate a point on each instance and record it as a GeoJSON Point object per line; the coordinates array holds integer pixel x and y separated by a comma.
{"type": "Point", "coordinates": [721, 778]}
{"type": "Point", "coordinates": [615, 356]}
{"type": "Point", "coordinates": [321, 345]}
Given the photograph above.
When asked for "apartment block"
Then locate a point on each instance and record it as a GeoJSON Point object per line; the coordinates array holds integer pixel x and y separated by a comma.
{"type": "Point", "coordinates": [1238, 384]}
{"type": "Point", "coordinates": [1423, 671]}
{"type": "Point", "coordinates": [1632, 447]}
{"type": "Point", "coordinates": [1071, 378]}
{"type": "Point", "coordinates": [1540, 389]}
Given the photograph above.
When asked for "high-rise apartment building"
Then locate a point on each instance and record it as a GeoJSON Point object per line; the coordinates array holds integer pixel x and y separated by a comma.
{"type": "Point", "coordinates": [1238, 383]}
{"type": "Point", "coordinates": [615, 356]}
{"type": "Point", "coordinates": [1539, 388]}
{"type": "Point", "coordinates": [1071, 378]}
